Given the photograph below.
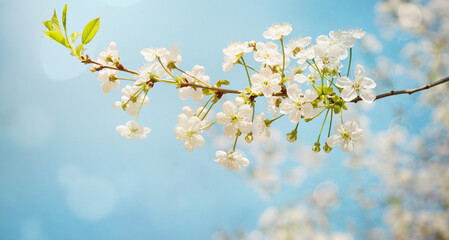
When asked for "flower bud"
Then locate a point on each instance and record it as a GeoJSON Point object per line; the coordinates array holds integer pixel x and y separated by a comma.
{"type": "Point", "coordinates": [316, 147]}
{"type": "Point", "coordinates": [293, 136]}
{"type": "Point", "coordinates": [326, 148]}
{"type": "Point", "coordinates": [337, 109]}
{"type": "Point", "coordinates": [249, 137]}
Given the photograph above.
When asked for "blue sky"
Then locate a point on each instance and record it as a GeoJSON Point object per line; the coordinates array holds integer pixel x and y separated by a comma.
{"type": "Point", "coordinates": [64, 171]}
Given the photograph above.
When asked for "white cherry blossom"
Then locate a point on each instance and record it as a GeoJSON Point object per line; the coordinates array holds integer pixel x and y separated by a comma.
{"type": "Point", "coordinates": [130, 100]}
{"type": "Point", "coordinates": [262, 127]}
{"type": "Point", "coordinates": [148, 71]}
{"type": "Point", "coordinates": [268, 54]}
{"type": "Point", "coordinates": [297, 104]}
{"type": "Point", "coordinates": [109, 55]}
{"type": "Point", "coordinates": [108, 78]}
{"type": "Point", "coordinates": [235, 119]}
{"type": "Point", "coordinates": [233, 53]}
{"type": "Point", "coordinates": [188, 130]}
{"type": "Point", "coordinates": [296, 74]}
{"type": "Point", "coordinates": [273, 104]}
{"type": "Point", "coordinates": [171, 59]}
{"type": "Point", "coordinates": [278, 31]}
{"type": "Point", "coordinates": [348, 134]}
{"type": "Point", "coordinates": [150, 54]}
{"type": "Point", "coordinates": [335, 45]}
{"type": "Point", "coordinates": [195, 76]}
{"type": "Point", "coordinates": [362, 85]}
{"type": "Point", "coordinates": [266, 82]}
{"type": "Point", "coordinates": [232, 161]}
{"type": "Point", "coordinates": [132, 130]}
{"type": "Point", "coordinates": [354, 33]}
{"type": "Point", "coordinates": [296, 48]}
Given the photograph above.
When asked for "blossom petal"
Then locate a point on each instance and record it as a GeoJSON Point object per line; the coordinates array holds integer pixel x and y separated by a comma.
{"type": "Point", "coordinates": [367, 82]}
{"type": "Point", "coordinates": [229, 107]}
{"type": "Point", "coordinates": [333, 141]}
{"type": "Point", "coordinates": [184, 92]}
{"type": "Point", "coordinates": [367, 95]}
{"type": "Point", "coordinates": [348, 94]}
{"type": "Point", "coordinates": [343, 82]}
{"type": "Point", "coordinates": [222, 118]}
{"type": "Point", "coordinates": [347, 146]}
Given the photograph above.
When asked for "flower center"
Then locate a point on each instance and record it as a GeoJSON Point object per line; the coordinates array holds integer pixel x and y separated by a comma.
{"type": "Point", "coordinates": [345, 135]}
{"type": "Point", "coordinates": [296, 51]}
{"type": "Point", "coordinates": [356, 86]}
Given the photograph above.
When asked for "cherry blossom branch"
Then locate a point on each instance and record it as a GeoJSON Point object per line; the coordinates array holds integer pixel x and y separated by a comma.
{"type": "Point", "coordinates": [409, 91]}
{"type": "Point", "coordinates": [87, 60]}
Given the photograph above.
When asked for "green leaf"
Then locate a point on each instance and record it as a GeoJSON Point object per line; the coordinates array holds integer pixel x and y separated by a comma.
{"type": "Point", "coordinates": [79, 50]}
{"type": "Point", "coordinates": [90, 30]}
{"type": "Point", "coordinates": [64, 18]}
{"type": "Point", "coordinates": [58, 37]}
{"type": "Point", "coordinates": [48, 25]}
{"type": "Point", "coordinates": [55, 23]}
{"type": "Point", "coordinates": [74, 36]}
{"type": "Point", "coordinates": [218, 84]}
{"type": "Point", "coordinates": [207, 92]}
{"type": "Point", "coordinates": [224, 82]}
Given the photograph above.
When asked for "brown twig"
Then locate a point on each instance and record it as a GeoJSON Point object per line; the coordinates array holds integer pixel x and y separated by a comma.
{"type": "Point", "coordinates": [409, 92]}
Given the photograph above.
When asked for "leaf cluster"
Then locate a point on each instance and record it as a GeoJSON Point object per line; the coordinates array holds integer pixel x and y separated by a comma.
{"type": "Point", "coordinates": [55, 33]}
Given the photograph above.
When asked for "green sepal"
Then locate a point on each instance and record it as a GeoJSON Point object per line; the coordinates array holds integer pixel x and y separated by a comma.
{"type": "Point", "coordinates": [344, 106]}
{"type": "Point", "coordinates": [328, 90]}
{"type": "Point", "coordinates": [58, 37]}
{"type": "Point", "coordinates": [336, 98]}
{"type": "Point", "coordinates": [90, 30]}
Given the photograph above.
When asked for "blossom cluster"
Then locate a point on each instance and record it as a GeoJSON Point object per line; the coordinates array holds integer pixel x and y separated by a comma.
{"type": "Point", "coordinates": [299, 79]}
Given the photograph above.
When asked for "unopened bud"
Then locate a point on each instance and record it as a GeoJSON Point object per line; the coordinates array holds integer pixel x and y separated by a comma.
{"type": "Point", "coordinates": [249, 137]}
{"type": "Point", "coordinates": [252, 44]}
{"type": "Point", "coordinates": [327, 149]}
{"type": "Point", "coordinates": [316, 147]}
{"type": "Point", "coordinates": [293, 136]}
{"type": "Point", "coordinates": [337, 109]}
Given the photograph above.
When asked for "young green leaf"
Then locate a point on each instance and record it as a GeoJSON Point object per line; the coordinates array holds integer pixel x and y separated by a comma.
{"type": "Point", "coordinates": [64, 18]}
{"type": "Point", "coordinates": [55, 23]}
{"type": "Point", "coordinates": [224, 82]}
{"type": "Point", "coordinates": [207, 92]}
{"type": "Point", "coordinates": [80, 50]}
{"type": "Point", "coordinates": [74, 36]}
{"type": "Point", "coordinates": [90, 30]}
{"type": "Point", "coordinates": [58, 37]}
{"type": "Point", "coordinates": [48, 25]}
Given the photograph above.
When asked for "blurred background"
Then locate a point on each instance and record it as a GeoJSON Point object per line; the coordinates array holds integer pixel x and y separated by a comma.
{"type": "Point", "coordinates": [65, 173]}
